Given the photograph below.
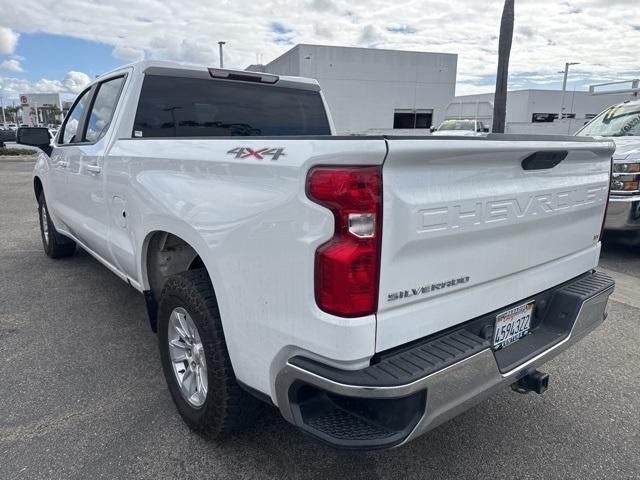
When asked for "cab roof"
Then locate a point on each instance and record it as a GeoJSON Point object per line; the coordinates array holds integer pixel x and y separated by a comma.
{"type": "Point", "coordinates": [158, 67]}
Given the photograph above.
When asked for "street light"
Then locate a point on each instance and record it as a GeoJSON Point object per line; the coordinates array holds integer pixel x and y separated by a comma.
{"type": "Point", "coordinates": [4, 120]}
{"type": "Point", "coordinates": [221, 61]}
{"type": "Point", "coordinates": [564, 86]}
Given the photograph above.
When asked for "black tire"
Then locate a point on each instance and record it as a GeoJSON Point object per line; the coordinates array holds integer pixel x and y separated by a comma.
{"type": "Point", "coordinates": [55, 244]}
{"type": "Point", "coordinates": [227, 407]}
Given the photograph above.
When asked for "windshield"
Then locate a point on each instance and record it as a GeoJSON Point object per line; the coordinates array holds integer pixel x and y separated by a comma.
{"type": "Point", "coordinates": [457, 125]}
{"type": "Point", "coordinates": [618, 121]}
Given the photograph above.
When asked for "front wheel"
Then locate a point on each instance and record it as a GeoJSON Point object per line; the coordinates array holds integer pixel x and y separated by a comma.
{"type": "Point", "coordinates": [195, 359]}
{"type": "Point", "coordinates": [55, 244]}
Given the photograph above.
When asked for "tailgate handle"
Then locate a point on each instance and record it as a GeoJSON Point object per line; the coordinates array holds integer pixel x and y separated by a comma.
{"type": "Point", "coordinates": [544, 160]}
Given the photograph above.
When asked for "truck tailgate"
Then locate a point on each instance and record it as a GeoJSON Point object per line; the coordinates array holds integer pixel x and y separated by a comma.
{"type": "Point", "coordinates": [470, 226]}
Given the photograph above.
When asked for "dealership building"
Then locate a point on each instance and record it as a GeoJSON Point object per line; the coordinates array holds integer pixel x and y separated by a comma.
{"type": "Point", "coordinates": [536, 111]}
{"type": "Point", "coordinates": [42, 108]}
{"type": "Point", "coordinates": [369, 89]}
{"type": "Point", "coordinates": [372, 90]}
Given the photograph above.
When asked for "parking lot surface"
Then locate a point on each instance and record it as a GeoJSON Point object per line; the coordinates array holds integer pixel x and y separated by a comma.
{"type": "Point", "coordinates": [82, 393]}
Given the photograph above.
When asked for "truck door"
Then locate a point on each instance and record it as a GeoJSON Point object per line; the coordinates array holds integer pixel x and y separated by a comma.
{"type": "Point", "coordinates": [86, 199]}
{"type": "Point", "coordinates": [65, 148]}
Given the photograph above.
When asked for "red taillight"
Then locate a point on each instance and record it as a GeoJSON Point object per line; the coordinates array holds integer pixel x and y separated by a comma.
{"type": "Point", "coordinates": [347, 266]}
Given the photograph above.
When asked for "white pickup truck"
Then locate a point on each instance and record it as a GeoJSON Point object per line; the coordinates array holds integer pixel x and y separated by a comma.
{"type": "Point", "coordinates": [621, 123]}
{"type": "Point", "coordinates": [369, 287]}
{"type": "Point", "coordinates": [461, 128]}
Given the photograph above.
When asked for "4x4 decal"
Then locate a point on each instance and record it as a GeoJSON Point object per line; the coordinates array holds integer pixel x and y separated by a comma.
{"type": "Point", "coordinates": [259, 154]}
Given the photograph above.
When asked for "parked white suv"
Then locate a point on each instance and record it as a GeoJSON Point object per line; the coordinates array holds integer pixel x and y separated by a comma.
{"type": "Point", "coordinates": [369, 287]}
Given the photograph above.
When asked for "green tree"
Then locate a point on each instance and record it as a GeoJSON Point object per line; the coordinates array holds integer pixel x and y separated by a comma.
{"type": "Point", "coordinates": [12, 113]}
{"type": "Point", "coordinates": [55, 112]}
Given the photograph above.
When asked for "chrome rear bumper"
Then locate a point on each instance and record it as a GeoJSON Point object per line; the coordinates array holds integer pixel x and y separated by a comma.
{"type": "Point", "coordinates": [436, 397]}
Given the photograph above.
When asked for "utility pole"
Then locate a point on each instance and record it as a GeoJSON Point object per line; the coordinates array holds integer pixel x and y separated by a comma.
{"type": "Point", "coordinates": [37, 119]}
{"type": "Point", "coordinates": [221, 59]}
{"type": "Point", "coordinates": [564, 86]}
{"type": "Point", "coordinates": [502, 75]}
{"type": "Point", "coordinates": [4, 120]}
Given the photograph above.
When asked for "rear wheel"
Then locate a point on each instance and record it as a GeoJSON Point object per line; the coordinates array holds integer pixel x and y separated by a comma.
{"type": "Point", "coordinates": [55, 244]}
{"type": "Point", "coordinates": [195, 359]}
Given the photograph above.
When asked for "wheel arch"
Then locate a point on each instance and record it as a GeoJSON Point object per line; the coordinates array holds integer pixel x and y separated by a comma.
{"type": "Point", "coordinates": [37, 187]}
{"type": "Point", "coordinates": [164, 254]}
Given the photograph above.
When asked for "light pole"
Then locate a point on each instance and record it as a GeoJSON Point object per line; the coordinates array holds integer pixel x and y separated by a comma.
{"type": "Point", "coordinates": [221, 60]}
{"type": "Point", "coordinates": [4, 120]}
{"type": "Point", "coordinates": [564, 86]}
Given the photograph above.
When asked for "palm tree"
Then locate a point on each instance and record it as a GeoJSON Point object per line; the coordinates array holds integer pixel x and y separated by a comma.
{"type": "Point", "coordinates": [13, 113]}
{"type": "Point", "coordinates": [55, 111]}
{"type": "Point", "coordinates": [504, 50]}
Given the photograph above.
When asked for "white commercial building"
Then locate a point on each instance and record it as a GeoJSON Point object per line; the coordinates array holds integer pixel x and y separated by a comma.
{"type": "Point", "coordinates": [536, 111]}
{"type": "Point", "coordinates": [41, 108]}
{"type": "Point", "coordinates": [370, 89]}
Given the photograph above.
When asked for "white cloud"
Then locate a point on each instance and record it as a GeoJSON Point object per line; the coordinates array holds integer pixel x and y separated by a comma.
{"type": "Point", "coordinates": [11, 65]}
{"type": "Point", "coordinates": [602, 35]}
{"type": "Point", "coordinates": [371, 36]}
{"type": "Point", "coordinates": [322, 5]}
{"type": "Point", "coordinates": [128, 54]}
{"type": "Point", "coordinates": [8, 39]}
{"type": "Point", "coordinates": [74, 81]}
{"type": "Point", "coordinates": [48, 86]}
{"type": "Point", "coordinates": [322, 31]}
{"type": "Point", "coordinates": [71, 85]}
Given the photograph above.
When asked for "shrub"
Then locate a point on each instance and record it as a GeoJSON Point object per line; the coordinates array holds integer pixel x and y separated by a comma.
{"type": "Point", "coordinates": [13, 152]}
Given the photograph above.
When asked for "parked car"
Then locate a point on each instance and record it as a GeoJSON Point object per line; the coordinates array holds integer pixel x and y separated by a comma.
{"type": "Point", "coordinates": [369, 287]}
{"type": "Point", "coordinates": [468, 128]}
{"type": "Point", "coordinates": [621, 123]}
{"type": "Point", "coordinates": [7, 135]}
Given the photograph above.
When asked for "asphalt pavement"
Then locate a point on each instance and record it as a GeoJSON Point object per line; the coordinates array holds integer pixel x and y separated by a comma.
{"type": "Point", "coordinates": [82, 393]}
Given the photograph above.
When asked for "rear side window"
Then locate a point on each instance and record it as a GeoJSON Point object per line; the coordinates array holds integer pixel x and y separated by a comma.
{"type": "Point", "coordinates": [194, 107]}
{"type": "Point", "coordinates": [102, 110]}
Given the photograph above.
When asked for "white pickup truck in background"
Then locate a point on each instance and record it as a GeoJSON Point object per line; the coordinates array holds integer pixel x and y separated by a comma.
{"type": "Point", "coordinates": [621, 124]}
{"type": "Point", "coordinates": [369, 287]}
{"type": "Point", "coordinates": [462, 128]}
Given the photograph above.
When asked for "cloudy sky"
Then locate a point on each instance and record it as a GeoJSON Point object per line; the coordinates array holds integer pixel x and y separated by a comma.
{"type": "Point", "coordinates": [59, 45]}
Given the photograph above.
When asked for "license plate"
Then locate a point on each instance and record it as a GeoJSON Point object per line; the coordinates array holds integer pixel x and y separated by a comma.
{"type": "Point", "coordinates": [512, 325]}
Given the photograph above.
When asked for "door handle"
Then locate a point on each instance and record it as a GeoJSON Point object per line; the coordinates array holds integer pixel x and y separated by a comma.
{"type": "Point", "coordinates": [62, 164]}
{"type": "Point", "coordinates": [93, 168]}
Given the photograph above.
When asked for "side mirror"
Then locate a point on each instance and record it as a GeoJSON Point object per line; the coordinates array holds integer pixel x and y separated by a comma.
{"type": "Point", "coordinates": [432, 128]}
{"type": "Point", "coordinates": [35, 137]}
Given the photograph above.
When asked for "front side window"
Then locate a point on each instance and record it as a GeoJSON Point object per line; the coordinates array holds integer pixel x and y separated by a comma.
{"type": "Point", "coordinates": [102, 110]}
{"type": "Point", "coordinates": [72, 123]}
{"type": "Point", "coordinates": [197, 107]}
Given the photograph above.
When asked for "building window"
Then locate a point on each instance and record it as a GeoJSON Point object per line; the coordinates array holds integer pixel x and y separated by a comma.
{"type": "Point", "coordinates": [412, 118]}
{"type": "Point", "coordinates": [549, 117]}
